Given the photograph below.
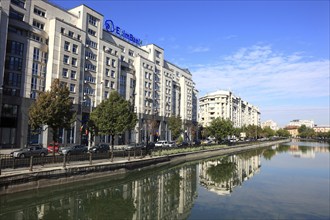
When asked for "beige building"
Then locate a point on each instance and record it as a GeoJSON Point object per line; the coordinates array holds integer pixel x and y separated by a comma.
{"type": "Point", "coordinates": [271, 124]}
{"type": "Point", "coordinates": [93, 56]}
{"type": "Point", "coordinates": [299, 122]}
{"type": "Point", "coordinates": [226, 105]}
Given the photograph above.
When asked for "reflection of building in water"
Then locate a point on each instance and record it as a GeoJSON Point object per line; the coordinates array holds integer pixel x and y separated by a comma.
{"type": "Point", "coordinates": [227, 179]}
{"type": "Point", "coordinates": [306, 152]}
{"type": "Point", "coordinates": [166, 195]}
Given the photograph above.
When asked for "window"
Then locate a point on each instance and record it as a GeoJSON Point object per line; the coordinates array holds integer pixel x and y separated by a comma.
{"type": "Point", "coordinates": [106, 94]}
{"type": "Point", "coordinates": [35, 68]}
{"type": "Point", "coordinates": [15, 47]}
{"type": "Point", "coordinates": [91, 32]}
{"type": "Point", "coordinates": [91, 43]}
{"type": "Point", "coordinates": [113, 63]}
{"type": "Point", "coordinates": [107, 83]}
{"type": "Point", "coordinates": [66, 59]}
{"type": "Point", "coordinates": [16, 15]}
{"type": "Point", "coordinates": [73, 74]}
{"type": "Point", "coordinates": [13, 79]}
{"type": "Point", "coordinates": [112, 85]}
{"type": "Point", "coordinates": [107, 72]}
{"type": "Point", "coordinates": [66, 46]}
{"type": "Point", "coordinates": [74, 62]}
{"type": "Point", "coordinates": [131, 53]}
{"type": "Point", "coordinates": [72, 87]}
{"type": "Point", "coordinates": [34, 81]}
{"type": "Point", "coordinates": [65, 72]}
{"type": "Point", "coordinates": [75, 49]}
{"type": "Point", "coordinates": [39, 12]}
{"type": "Point", "coordinates": [90, 67]}
{"type": "Point", "coordinates": [14, 63]}
{"type": "Point", "coordinates": [92, 20]}
{"type": "Point", "coordinates": [71, 34]}
{"type": "Point", "coordinates": [62, 30]}
{"type": "Point", "coordinates": [20, 3]}
{"type": "Point", "coordinates": [113, 74]}
{"type": "Point", "coordinates": [107, 61]}
{"type": "Point", "coordinates": [38, 24]}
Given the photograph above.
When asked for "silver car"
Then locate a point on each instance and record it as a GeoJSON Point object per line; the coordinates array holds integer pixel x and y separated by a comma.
{"type": "Point", "coordinates": [32, 150]}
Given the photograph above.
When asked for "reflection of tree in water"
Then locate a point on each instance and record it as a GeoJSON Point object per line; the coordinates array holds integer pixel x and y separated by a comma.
{"type": "Point", "coordinates": [172, 188]}
{"type": "Point", "coordinates": [252, 153]}
{"type": "Point", "coordinates": [303, 148]}
{"type": "Point", "coordinates": [109, 206]}
{"type": "Point", "coordinates": [283, 148]}
{"type": "Point", "coordinates": [222, 172]}
{"type": "Point", "coordinates": [269, 153]}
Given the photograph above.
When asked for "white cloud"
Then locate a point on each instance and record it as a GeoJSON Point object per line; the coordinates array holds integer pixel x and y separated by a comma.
{"type": "Point", "coordinates": [269, 79]}
{"type": "Point", "coordinates": [198, 49]}
{"type": "Point", "coordinates": [258, 71]}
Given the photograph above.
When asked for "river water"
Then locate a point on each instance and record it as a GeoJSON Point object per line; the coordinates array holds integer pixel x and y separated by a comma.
{"type": "Point", "coordinates": [289, 181]}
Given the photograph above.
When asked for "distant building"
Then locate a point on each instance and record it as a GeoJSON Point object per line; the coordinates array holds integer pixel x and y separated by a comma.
{"type": "Point", "coordinates": [226, 105]}
{"type": "Point", "coordinates": [271, 124]}
{"type": "Point", "coordinates": [321, 128]}
{"type": "Point", "coordinates": [293, 130]}
{"type": "Point", "coordinates": [298, 123]}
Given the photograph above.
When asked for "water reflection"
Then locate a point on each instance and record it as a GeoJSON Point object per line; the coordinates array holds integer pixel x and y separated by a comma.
{"type": "Point", "coordinates": [167, 195]}
{"type": "Point", "coordinates": [163, 193]}
{"type": "Point", "coordinates": [223, 174]}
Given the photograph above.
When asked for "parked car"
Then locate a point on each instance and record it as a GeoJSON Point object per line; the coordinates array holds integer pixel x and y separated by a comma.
{"type": "Point", "coordinates": [172, 144]}
{"type": "Point", "coordinates": [162, 144]}
{"type": "Point", "coordinates": [31, 150]}
{"type": "Point", "coordinates": [100, 148]}
{"type": "Point", "coordinates": [50, 147]}
{"type": "Point", "coordinates": [134, 146]}
{"type": "Point", "coordinates": [75, 149]}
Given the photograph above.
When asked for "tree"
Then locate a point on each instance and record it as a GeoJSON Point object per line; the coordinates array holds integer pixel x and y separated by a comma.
{"type": "Point", "coordinates": [305, 132]}
{"type": "Point", "coordinates": [221, 128]}
{"type": "Point", "coordinates": [283, 133]}
{"type": "Point", "coordinates": [268, 132]}
{"type": "Point", "coordinates": [52, 108]}
{"type": "Point", "coordinates": [175, 125]}
{"type": "Point", "coordinates": [114, 116]}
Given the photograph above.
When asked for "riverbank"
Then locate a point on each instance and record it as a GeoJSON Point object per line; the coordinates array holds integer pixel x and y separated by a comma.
{"type": "Point", "coordinates": [22, 179]}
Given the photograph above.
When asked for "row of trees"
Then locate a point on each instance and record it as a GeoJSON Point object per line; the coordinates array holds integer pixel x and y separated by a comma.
{"type": "Point", "coordinates": [54, 108]}
{"type": "Point", "coordinates": [221, 129]}
{"type": "Point", "coordinates": [306, 132]}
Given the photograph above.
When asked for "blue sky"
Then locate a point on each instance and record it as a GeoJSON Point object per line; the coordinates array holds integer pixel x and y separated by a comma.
{"type": "Point", "coordinates": [273, 54]}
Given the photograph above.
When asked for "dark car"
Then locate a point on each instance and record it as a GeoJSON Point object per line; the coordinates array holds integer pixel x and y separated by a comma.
{"type": "Point", "coordinates": [100, 148]}
{"type": "Point", "coordinates": [31, 150]}
{"type": "Point", "coordinates": [135, 146]}
{"type": "Point", "coordinates": [75, 149]}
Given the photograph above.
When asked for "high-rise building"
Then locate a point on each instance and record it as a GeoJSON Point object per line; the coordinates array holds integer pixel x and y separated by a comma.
{"type": "Point", "coordinates": [271, 124]}
{"type": "Point", "coordinates": [225, 104]}
{"type": "Point", "coordinates": [40, 41]}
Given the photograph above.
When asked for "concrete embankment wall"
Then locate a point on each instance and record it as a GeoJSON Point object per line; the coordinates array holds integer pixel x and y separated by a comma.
{"type": "Point", "coordinates": [45, 177]}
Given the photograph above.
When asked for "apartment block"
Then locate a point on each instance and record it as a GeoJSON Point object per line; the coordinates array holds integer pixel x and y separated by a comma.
{"type": "Point", "coordinates": [92, 55]}
{"type": "Point", "coordinates": [225, 104]}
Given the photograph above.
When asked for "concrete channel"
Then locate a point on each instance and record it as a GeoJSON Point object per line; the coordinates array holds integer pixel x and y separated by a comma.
{"type": "Point", "coordinates": [22, 179]}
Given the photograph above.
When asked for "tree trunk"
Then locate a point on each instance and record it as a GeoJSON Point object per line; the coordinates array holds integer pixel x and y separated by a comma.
{"type": "Point", "coordinates": [112, 144]}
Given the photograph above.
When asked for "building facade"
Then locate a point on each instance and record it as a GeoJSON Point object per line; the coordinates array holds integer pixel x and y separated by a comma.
{"type": "Point", "coordinates": [299, 122]}
{"type": "Point", "coordinates": [271, 124]}
{"type": "Point", "coordinates": [225, 104]}
{"type": "Point", "coordinates": [40, 42]}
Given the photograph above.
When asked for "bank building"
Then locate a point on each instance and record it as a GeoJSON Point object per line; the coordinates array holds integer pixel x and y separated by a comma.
{"type": "Point", "coordinates": [92, 55]}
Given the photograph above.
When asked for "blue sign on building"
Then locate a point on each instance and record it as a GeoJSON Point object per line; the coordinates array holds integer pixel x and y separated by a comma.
{"type": "Point", "coordinates": [109, 26]}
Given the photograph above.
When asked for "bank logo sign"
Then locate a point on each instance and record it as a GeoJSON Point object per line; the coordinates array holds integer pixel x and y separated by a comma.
{"type": "Point", "coordinates": [110, 26]}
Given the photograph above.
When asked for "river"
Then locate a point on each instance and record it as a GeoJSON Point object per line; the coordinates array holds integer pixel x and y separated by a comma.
{"type": "Point", "coordinates": [288, 181]}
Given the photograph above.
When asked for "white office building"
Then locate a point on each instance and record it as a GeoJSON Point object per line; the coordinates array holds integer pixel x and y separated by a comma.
{"type": "Point", "coordinates": [225, 104]}
{"type": "Point", "coordinates": [40, 41]}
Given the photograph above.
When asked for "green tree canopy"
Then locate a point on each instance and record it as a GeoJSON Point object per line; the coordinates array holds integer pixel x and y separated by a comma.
{"type": "Point", "coordinates": [114, 116]}
{"type": "Point", "coordinates": [306, 132]}
{"type": "Point", "coordinates": [175, 125]}
{"type": "Point", "coordinates": [283, 133]}
{"type": "Point", "coordinates": [221, 128]}
{"type": "Point", "coordinates": [268, 132]}
{"type": "Point", "coordinates": [52, 108]}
